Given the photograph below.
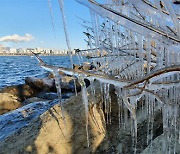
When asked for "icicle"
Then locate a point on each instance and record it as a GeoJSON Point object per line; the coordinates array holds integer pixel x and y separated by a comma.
{"type": "Point", "coordinates": [94, 21]}
{"type": "Point", "coordinates": [85, 101]}
{"type": "Point", "coordinates": [148, 55]}
{"type": "Point", "coordinates": [170, 117]}
{"type": "Point", "coordinates": [50, 9]}
{"type": "Point", "coordinates": [150, 112]}
{"type": "Point", "coordinates": [93, 91]}
{"type": "Point", "coordinates": [57, 78]}
{"type": "Point", "coordinates": [132, 110]}
{"type": "Point", "coordinates": [107, 102]}
{"type": "Point", "coordinates": [61, 3]}
{"type": "Point", "coordinates": [173, 15]}
{"type": "Point", "coordinates": [140, 54]}
{"type": "Point", "coordinates": [122, 95]}
{"type": "Point", "coordinates": [120, 107]}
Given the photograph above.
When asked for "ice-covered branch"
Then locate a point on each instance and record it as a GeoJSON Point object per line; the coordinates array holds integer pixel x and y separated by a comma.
{"type": "Point", "coordinates": [135, 24]}
{"type": "Point", "coordinates": [153, 74]}
{"type": "Point", "coordinates": [153, 6]}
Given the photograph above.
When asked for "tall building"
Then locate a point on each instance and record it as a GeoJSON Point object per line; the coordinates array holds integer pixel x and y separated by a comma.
{"type": "Point", "coordinates": [4, 49]}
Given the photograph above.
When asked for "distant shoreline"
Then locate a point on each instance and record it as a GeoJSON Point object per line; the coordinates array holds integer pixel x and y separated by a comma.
{"type": "Point", "coordinates": [29, 54]}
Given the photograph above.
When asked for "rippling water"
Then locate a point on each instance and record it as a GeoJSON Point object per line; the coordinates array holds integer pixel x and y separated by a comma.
{"type": "Point", "coordinates": [14, 69]}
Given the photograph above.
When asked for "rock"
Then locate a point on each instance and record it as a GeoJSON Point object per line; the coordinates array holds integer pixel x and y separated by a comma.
{"type": "Point", "coordinates": [77, 67]}
{"type": "Point", "coordinates": [8, 102]}
{"type": "Point", "coordinates": [85, 67]}
{"type": "Point", "coordinates": [71, 86]}
{"type": "Point", "coordinates": [47, 133]}
{"type": "Point", "coordinates": [67, 84]}
{"type": "Point", "coordinates": [88, 66]}
{"type": "Point", "coordinates": [45, 84]}
{"type": "Point", "coordinates": [32, 100]}
{"type": "Point", "coordinates": [48, 84]}
{"type": "Point", "coordinates": [21, 91]}
{"type": "Point", "coordinates": [51, 75]}
{"type": "Point", "coordinates": [157, 146]}
{"type": "Point", "coordinates": [67, 78]}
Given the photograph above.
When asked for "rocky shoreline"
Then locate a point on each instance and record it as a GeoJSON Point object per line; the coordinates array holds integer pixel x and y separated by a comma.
{"type": "Point", "coordinates": [36, 89]}
{"type": "Point", "coordinates": [33, 90]}
{"type": "Point", "coordinates": [32, 121]}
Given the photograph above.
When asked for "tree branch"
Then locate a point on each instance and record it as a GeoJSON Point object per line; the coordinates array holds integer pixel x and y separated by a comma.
{"type": "Point", "coordinates": [155, 73]}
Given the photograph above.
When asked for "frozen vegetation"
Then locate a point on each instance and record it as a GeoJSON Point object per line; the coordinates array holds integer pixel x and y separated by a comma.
{"type": "Point", "coordinates": [134, 46]}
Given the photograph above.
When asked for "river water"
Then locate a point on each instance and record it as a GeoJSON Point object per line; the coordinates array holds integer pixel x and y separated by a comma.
{"type": "Point", "coordinates": [14, 69]}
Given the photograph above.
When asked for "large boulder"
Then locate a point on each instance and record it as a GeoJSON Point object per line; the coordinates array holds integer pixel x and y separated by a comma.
{"type": "Point", "coordinates": [48, 84]}
{"type": "Point", "coordinates": [8, 102]}
{"type": "Point", "coordinates": [68, 84]}
{"type": "Point", "coordinates": [45, 84]}
{"type": "Point", "coordinates": [13, 96]}
{"type": "Point", "coordinates": [21, 91]}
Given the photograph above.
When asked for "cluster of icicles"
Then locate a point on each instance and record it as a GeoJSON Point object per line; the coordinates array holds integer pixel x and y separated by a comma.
{"type": "Point", "coordinates": [122, 48]}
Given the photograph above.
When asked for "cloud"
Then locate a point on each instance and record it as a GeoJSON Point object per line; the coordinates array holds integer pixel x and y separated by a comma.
{"type": "Point", "coordinates": [16, 38]}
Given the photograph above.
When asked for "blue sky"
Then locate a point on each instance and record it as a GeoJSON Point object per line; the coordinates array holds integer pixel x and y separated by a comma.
{"type": "Point", "coordinates": [33, 17]}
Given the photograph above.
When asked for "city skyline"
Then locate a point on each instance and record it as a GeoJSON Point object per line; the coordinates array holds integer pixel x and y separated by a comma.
{"type": "Point", "coordinates": [29, 24]}
{"type": "Point", "coordinates": [26, 51]}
